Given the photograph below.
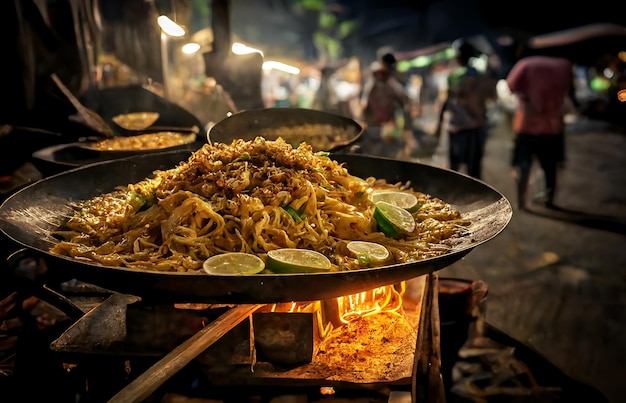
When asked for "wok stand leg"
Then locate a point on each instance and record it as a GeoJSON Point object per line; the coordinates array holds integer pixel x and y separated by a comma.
{"type": "Point", "coordinates": [427, 381]}
{"type": "Point", "coordinates": [148, 382]}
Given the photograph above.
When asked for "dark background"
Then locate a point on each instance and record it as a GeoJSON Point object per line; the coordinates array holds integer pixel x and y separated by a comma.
{"type": "Point", "coordinates": [286, 30]}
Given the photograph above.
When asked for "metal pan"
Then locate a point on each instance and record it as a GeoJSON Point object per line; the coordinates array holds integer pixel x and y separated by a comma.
{"type": "Point", "coordinates": [322, 130]}
{"type": "Point", "coordinates": [29, 216]}
{"type": "Point", "coordinates": [108, 103]}
{"type": "Point", "coordinates": [116, 101]}
{"type": "Point", "coordinates": [62, 157]}
{"type": "Point", "coordinates": [140, 143]}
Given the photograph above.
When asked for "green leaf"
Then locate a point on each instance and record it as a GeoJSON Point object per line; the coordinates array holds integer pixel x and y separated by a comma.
{"type": "Point", "coordinates": [243, 157]}
{"type": "Point", "coordinates": [295, 214]}
{"type": "Point", "coordinates": [136, 200]}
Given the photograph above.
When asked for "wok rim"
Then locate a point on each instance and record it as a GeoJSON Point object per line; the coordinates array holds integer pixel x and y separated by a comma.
{"type": "Point", "coordinates": [250, 115]}
{"type": "Point", "coordinates": [416, 268]}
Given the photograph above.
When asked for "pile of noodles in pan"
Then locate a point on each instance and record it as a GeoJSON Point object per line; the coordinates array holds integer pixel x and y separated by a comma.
{"type": "Point", "coordinates": [247, 196]}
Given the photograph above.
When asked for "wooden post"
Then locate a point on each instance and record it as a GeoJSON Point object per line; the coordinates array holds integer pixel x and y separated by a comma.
{"type": "Point", "coordinates": [427, 383]}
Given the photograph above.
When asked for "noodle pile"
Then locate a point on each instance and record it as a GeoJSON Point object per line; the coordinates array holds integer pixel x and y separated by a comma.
{"type": "Point", "coordinates": [247, 196]}
{"type": "Point", "coordinates": [148, 141]}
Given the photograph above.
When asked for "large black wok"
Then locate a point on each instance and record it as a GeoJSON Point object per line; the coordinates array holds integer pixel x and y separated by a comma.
{"type": "Point", "coordinates": [29, 216]}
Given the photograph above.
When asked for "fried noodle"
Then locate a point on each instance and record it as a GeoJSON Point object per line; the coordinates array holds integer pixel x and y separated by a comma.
{"type": "Point", "coordinates": [247, 196]}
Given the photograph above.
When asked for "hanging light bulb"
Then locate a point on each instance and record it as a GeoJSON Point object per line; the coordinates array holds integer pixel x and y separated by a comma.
{"type": "Point", "coordinates": [170, 27]}
{"type": "Point", "coordinates": [242, 49]}
{"type": "Point", "coordinates": [190, 48]}
{"type": "Point", "coordinates": [269, 65]}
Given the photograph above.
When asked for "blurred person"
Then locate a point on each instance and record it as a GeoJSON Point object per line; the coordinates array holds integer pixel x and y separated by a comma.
{"type": "Point", "coordinates": [386, 112]}
{"type": "Point", "coordinates": [414, 91]}
{"type": "Point", "coordinates": [465, 108]}
{"type": "Point", "coordinates": [282, 94]}
{"type": "Point", "coordinates": [325, 97]}
{"type": "Point", "coordinates": [339, 89]}
{"type": "Point", "coordinates": [542, 86]}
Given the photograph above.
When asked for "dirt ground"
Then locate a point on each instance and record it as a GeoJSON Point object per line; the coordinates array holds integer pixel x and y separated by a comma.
{"type": "Point", "coordinates": [557, 278]}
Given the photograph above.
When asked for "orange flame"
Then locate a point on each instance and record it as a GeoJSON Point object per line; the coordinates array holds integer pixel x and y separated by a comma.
{"type": "Point", "coordinates": [381, 299]}
{"type": "Point", "coordinates": [347, 308]}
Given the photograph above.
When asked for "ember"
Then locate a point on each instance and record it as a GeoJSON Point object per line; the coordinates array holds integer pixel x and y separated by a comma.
{"type": "Point", "coordinates": [368, 337]}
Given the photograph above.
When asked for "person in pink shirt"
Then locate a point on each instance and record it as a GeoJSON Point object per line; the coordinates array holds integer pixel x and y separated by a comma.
{"type": "Point", "coordinates": [541, 85]}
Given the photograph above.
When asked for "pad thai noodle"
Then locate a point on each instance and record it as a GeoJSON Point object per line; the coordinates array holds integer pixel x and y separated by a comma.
{"type": "Point", "coordinates": [247, 196]}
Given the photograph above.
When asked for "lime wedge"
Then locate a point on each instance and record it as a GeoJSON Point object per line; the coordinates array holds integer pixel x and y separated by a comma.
{"type": "Point", "coordinates": [368, 252]}
{"type": "Point", "coordinates": [233, 264]}
{"type": "Point", "coordinates": [292, 260]}
{"type": "Point", "coordinates": [406, 200]}
{"type": "Point", "coordinates": [392, 220]}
